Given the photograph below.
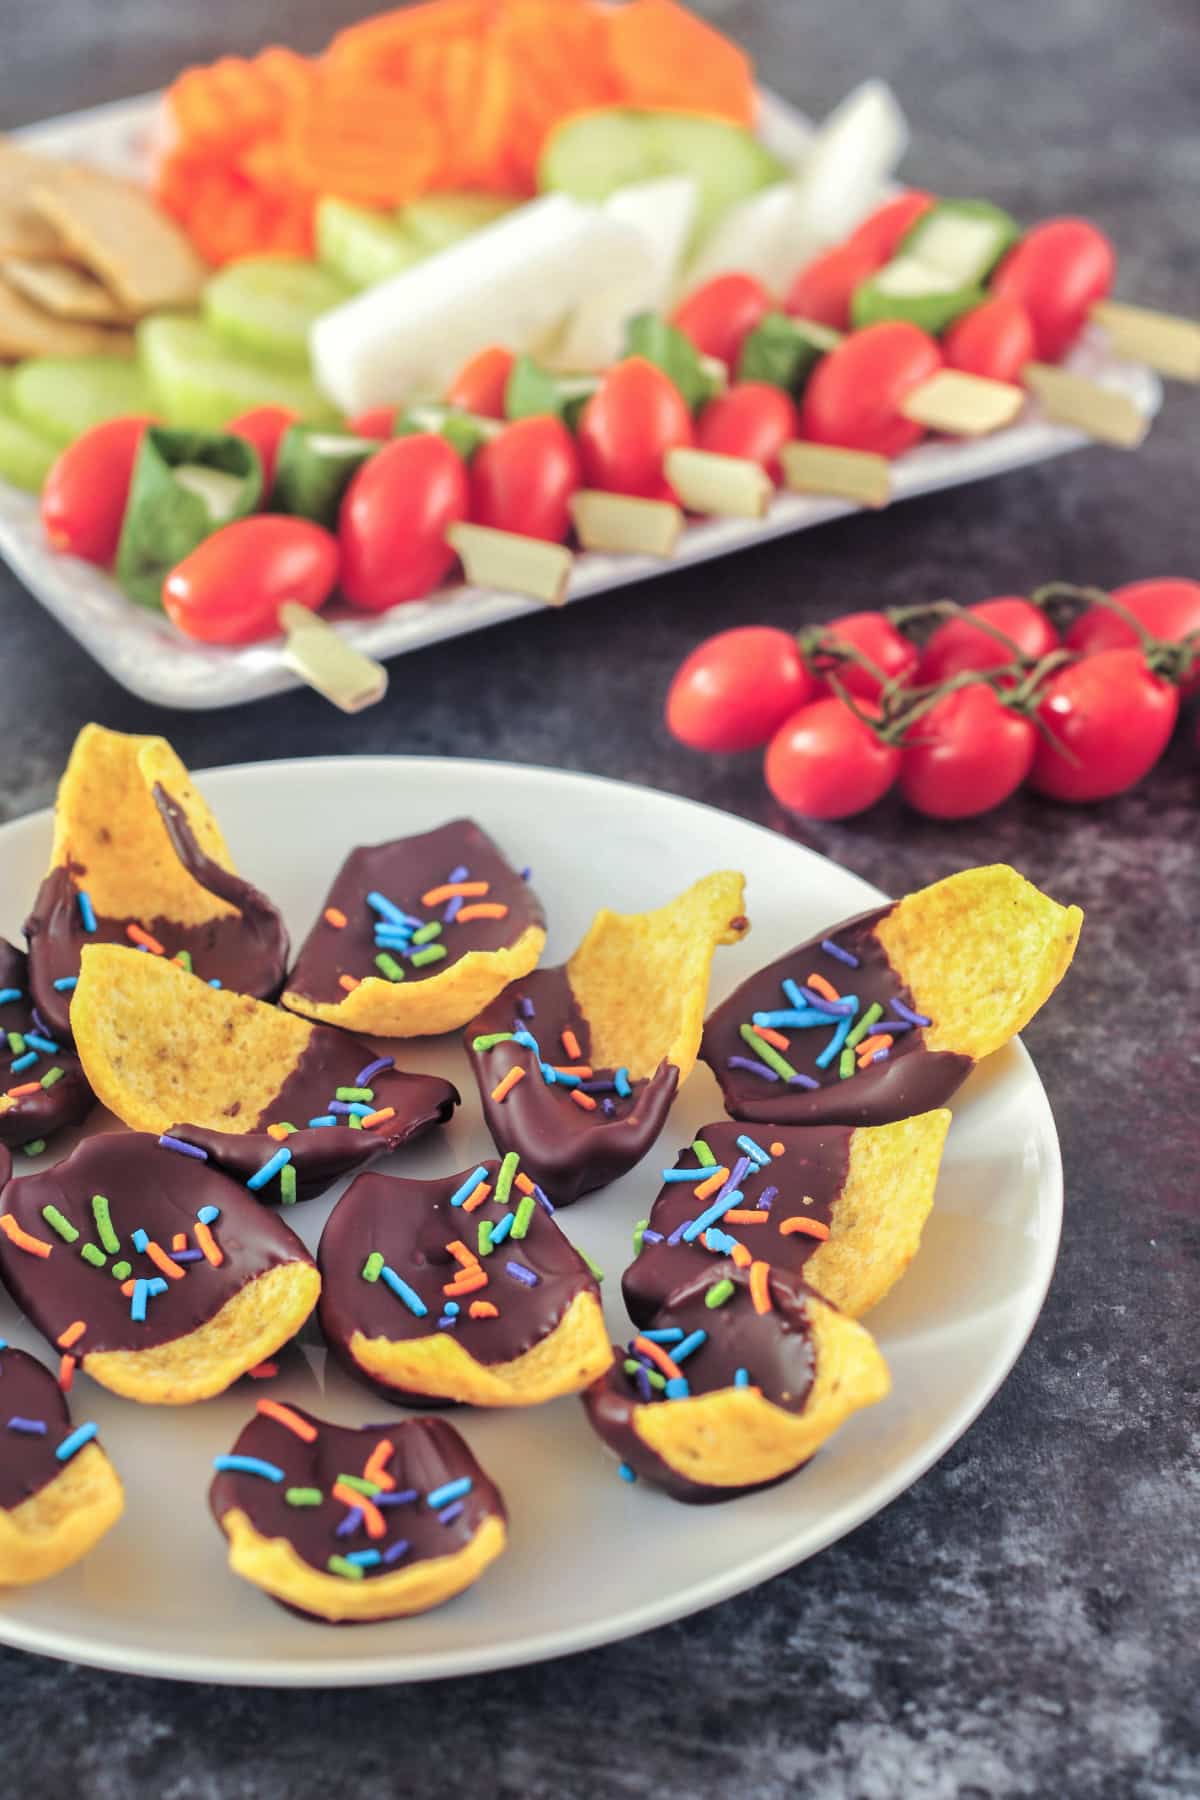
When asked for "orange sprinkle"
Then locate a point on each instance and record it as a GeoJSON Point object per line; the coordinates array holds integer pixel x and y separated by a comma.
{"type": "Point", "coordinates": [22, 1239]}
{"type": "Point", "coordinates": [161, 1260]}
{"type": "Point", "coordinates": [760, 1293]}
{"type": "Point", "coordinates": [71, 1335]}
{"type": "Point", "coordinates": [66, 1373]}
{"type": "Point", "coordinates": [263, 1371]}
{"type": "Point", "coordinates": [451, 890]}
{"type": "Point", "coordinates": [483, 1309]}
{"type": "Point", "coordinates": [488, 909]}
{"type": "Point", "coordinates": [127, 1289]}
{"type": "Point", "coordinates": [26, 1087]}
{"type": "Point", "coordinates": [883, 1040]}
{"type": "Point", "coordinates": [179, 1241]}
{"type": "Point", "coordinates": [477, 1196]}
{"type": "Point", "coordinates": [348, 982]}
{"type": "Point", "coordinates": [469, 1282]}
{"type": "Point", "coordinates": [587, 1101]}
{"type": "Point", "coordinates": [373, 1519]}
{"type": "Point", "coordinates": [826, 989]}
{"type": "Point", "coordinates": [570, 1044]}
{"type": "Point", "coordinates": [291, 1421]}
{"type": "Point", "coordinates": [278, 1133]}
{"type": "Point", "coordinates": [806, 1227]}
{"type": "Point", "coordinates": [740, 1257]}
{"type": "Point", "coordinates": [745, 1218]}
{"type": "Point", "coordinates": [206, 1242]}
{"type": "Point", "coordinates": [334, 915]}
{"type": "Point", "coordinates": [373, 1469]}
{"type": "Point", "coordinates": [711, 1183]}
{"type": "Point", "coordinates": [775, 1038]}
{"type": "Point", "coordinates": [522, 1182]}
{"type": "Point", "coordinates": [658, 1355]}
{"type": "Point", "coordinates": [466, 1258]}
{"type": "Point", "coordinates": [378, 1118]}
{"type": "Point", "coordinates": [136, 935]}
{"type": "Point", "coordinates": [777, 1148]}
{"type": "Point", "coordinates": [505, 1086]}
{"type": "Point", "coordinates": [584, 1070]}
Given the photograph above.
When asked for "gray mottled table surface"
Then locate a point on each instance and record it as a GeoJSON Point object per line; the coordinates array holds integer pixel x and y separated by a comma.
{"type": "Point", "coordinates": [1024, 1621]}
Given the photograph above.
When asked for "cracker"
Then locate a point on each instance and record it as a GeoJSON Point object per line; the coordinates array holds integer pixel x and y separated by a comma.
{"type": "Point", "coordinates": [64, 290]}
{"type": "Point", "coordinates": [980, 952]}
{"type": "Point", "coordinates": [22, 231]}
{"type": "Point", "coordinates": [573, 1355]}
{"type": "Point", "coordinates": [61, 1522]}
{"type": "Point", "coordinates": [28, 330]}
{"type": "Point", "coordinates": [641, 979]}
{"type": "Point", "coordinates": [115, 229]}
{"type": "Point", "coordinates": [273, 1565]}
{"type": "Point", "coordinates": [736, 1438]}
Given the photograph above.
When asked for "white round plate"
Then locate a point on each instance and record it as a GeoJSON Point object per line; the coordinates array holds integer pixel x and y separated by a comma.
{"type": "Point", "coordinates": [590, 1558]}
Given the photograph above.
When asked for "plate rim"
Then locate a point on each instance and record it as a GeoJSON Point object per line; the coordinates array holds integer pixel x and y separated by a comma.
{"type": "Point", "coordinates": [721, 1585]}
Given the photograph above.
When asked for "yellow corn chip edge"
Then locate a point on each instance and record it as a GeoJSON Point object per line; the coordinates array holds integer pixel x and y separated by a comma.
{"type": "Point", "coordinates": [62, 1522]}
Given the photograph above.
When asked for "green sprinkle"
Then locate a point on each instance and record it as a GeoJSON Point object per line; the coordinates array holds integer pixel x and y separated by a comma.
{"type": "Point", "coordinates": [431, 953]}
{"type": "Point", "coordinates": [652, 1375]}
{"type": "Point", "coordinates": [287, 1185]}
{"type": "Point", "coordinates": [387, 965]}
{"type": "Point", "coordinates": [337, 1565]}
{"type": "Point", "coordinates": [35, 1147]}
{"type": "Point", "coordinates": [598, 1273]}
{"type": "Point", "coordinates": [638, 1233]}
{"type": "Point", "coordinates": [286, 1127]}
{"type": "Point", "coordinates": [121, 1271]}
{"type": "Point", "coordinates": [846, 1064]}
{"type": "Point", "coordinates": [873, 1012]}
{"type": "Point", "coordinates": [91, 1253]}
{"type": "Point", "coordinates": [427, 933]}
{"type": "Point", "coordinates": [504, 1179]}
{"type": "Point", "coordinates": [522, 1217]}
{"type": "Point", "coordinates": [59, 1222]}
{"type": "Point", "coordinates": [490, 1040]}
{"type": "Point", "coordinates": [719, 1293]}
{"type": "Point", "coordinates": [371, 1268]}
{"type": "Point", "coordinates": [485, 1237]}
{"type": "Point", "coordinates": [703, 1154]}
{"type": "Point", "coordinates": [303, 1496]}
{"type": "Point", "coordinates": [184, 959]}
{"type": "Point", "coordinates": [349, 1093]}
{"type": "Point", "coordinates": [361, 1485]}
{"type": "Point", "coordinates": [104, 1225]}
{"type": "Point", "coordinates": [764, 1051]}
{"type": "Point", "coordinates": [51, 1076]}
{"type": "Point", "coordinates": [16, 1043]}
{"type": "Point", "coordinates": [355, 1122]}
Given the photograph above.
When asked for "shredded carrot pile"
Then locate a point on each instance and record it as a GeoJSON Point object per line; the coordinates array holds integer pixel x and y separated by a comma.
{"type": "Point", "coordinates": [450, 94]}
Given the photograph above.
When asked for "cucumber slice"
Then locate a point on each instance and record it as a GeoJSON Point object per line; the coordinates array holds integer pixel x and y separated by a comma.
{"type": "Point", "coordinates": [61, 397]}
{"type": "Point", "coordinates": [265, 305]}
{"type": "Point", "coordinates": [910, 289]}
{"type": "Point", "coordinates": [363, 247]}
{"type": "Point", "coordinates": [784, 351]}
{"type": "Point", "coordinates": [441, 219]}
{"type": "Point", "coordinates": [25, 455]}
{"type": "Point", "coordinates": [597, 152]}
{"type": "Point", "coordinates": [201, 384]}
{"type": "Point", "coordinates": [963, 238]}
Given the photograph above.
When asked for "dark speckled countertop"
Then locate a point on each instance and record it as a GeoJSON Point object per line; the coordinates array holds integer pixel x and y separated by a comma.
{"type": "Point", "coordinates": [1024, 1621]}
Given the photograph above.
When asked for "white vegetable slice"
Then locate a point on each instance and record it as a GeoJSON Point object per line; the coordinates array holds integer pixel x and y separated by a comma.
{"type": "Point", "coordinates": [663, 211]}
{"type": "Point", "coordinates": [854, 153]}
{"type": "Point", "coordinates": [765, 236]}
{"type": "Point", "coordinates": [218, 489]}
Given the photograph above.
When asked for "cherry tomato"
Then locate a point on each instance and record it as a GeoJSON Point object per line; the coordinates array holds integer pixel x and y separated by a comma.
{"type": "Point", "coordinates": [230, 588]}
{"type": "Point", "coordinates": [1116, 718]}
{"type": "Point", "coordinates": [1057, 272]}
{"type": "Point", "coordinates": [878, 639]}
{"type": "Point", "coordinates": [720, 315]}
{"type": "Point", "coordinates": [264, 426]}
{"type": "Point", "coordinates": [1168, 607]}
{"type": "Point", "coordinates": [880, 233]}
{"type": "Point", "coordinates": [394, 519]}
{"type": "Point", "coordinates": [735, 690]}
{"type": "Point", "coordinates": [752, 419]}
{"type": "Point", "coordinates": [823, 763]}
{"type": "Point", "coordinates": [965, 755]}
{"type": "Point", "coordinates": [85, 491]}
{"type": "Point", "coordinates": [481, 383]}
{"type": "Point", "coordinates": [523, 479]}
{"type": "Point", "coordinates": [824, 288]}
{"type": "Point", "coordinates": [958, 645]}
{"type": "Point", "coordinates": [376, 422]}
{"type": "Point", "coordinates": [994, 340]}
{"type": "Point", "coordinates": [635, 416]}
{"type": "Point", "coordinates": [856, 391]}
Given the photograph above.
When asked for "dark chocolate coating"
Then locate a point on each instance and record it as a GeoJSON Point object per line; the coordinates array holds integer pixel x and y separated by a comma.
{"type": "Point", "coordinates": [402, 871]}
{"type": "Point", "coordinates": [27, 1460]}
{"type": "Point", "coordinates": [810, 1176]}
{"type": "Point", "coordinates": [912, 1080]}
{"type": "Point", "coordinates": [776, 1349]}
{"type": "Point", "coordinates": [320, 1155]}
{"type": "Point", "coordinates": [51, 1109]}
{"type": "Point", "coordinates": [567, 1150]}
{"type": "Point", "coordinates": [247, 953]}
{"type": "Point", "coordinates": [159, 1191]}
{"type": "Point", "coordinates": [427, 1453]}
{"type": "Point", "coordinates": [410, 1223]}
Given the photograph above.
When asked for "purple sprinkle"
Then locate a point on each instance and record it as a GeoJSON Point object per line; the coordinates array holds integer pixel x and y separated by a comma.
{"type": "Point", "coordinates": [374, 1068]}
{"type": "Point", "coordinates": [342, 1106]}
{"type": "Point", "coordinates": [187, 1256]}
{"type": "Point", "coordinates": [737, 1175]}
{"type": "Point", "coordinates": [906, 1012]}
{"type": "Point", "coordinates": [446, 1320]}
{"type": "Point", "coordinates": [880, 1055]}
{"type": "Point", "coordinates": [677, 1233]}
{"type": "Point", "coordinates": [526, 872]}
{"type": "Point", "coordinates": [838, 954]}
{"type": "Point", "coordinates": [542, 1200]}
{"type": "Point", "coordinates": [40, 1022]}
{"type": "Point", "coordinates": [608, 1108]}
{"type": "Point", "coordinates": [350, 1523]}
{"type": "Point", "coordinates": [651, 1237]}
{"type": "Point", "coordinates": [453, 908]}
{"type": "Point", "coordinates": [404, 1497]}
{"type": "Point", "coordinates": [395, 1551]}
{"type": "Point", "coordinates": [837, 1009]}
{"type": "Point", "coordinates": [448, 1515]}
{"type": "Point", "coordinates": [173, 1143]}
{"type": "Point", "coordinates": [802, 1081]}
{"type": "Point", "coordinates": [528, 1009]}
{"type": "Point", "coordinates": [753, 1068]}
{"type": "Point", "coordinates": [598, 1087]}
{"type": "Point", "coordinates": [765, 1198]}
{"type": "Point", "coordinates": [461, 873]}
{"type": "Point", "coordinates": [893, 1025]}
{"type": "Point", "coordinates": [643, 1382]}
{"type": "Point", "coordinates": [32, 1427]}
{"type": "Point", "coordinates": [520, 1273]}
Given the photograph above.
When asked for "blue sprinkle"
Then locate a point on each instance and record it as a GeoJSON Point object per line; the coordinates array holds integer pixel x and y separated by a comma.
{"type": "Point", "coordinates": [214, 983]}
{"type": "Point", "coordinates": [155, 1286]}
{"type": "Point", "coordinates": [833, 1048]}
{"type": "Point", "coordinates": [8, 996]}
{"type": "Point", "coordinates": [23, 1062]}
{"type": "Point", "coordinates": [247, 1465]}
{"type": "Point", "coordinates": [42, 1043]}
{"type": "Point", "coordinates": [280, 1160]}
{"type": "Point", "coordinates": [622, 1081]}
{"type": "Point", "coordinates": [677, 1388]}
{"type": "Point", "coordinates": [838, 954]}
{"type": "Point", "coordinates": [70, 1445]}
{"type": "Point", "coordinates": [387, 910]}
{"type": "Point", "coordinates": [689, 1344]}
{"type": "Point", "coordinates": [692, 1175]}
{"type": "Point", "coordinates": [527, 1040]}
{"type": "Point", "coordinates": [141, 1239]}
{"type": "Point", "coordinates": [87, 911]}
{"type": "Point", "coordinates": [372, 1069]}
{"type": "Point", "coordinates": [402, 1291]}
{"type": "Point", "coordinates": [208, 1215]}
{"type": "Point", "coordinates": [626, 1473]}
{"type": "Point", "coordinates": [167, 1142]}
{"type": "Point", "coordinates": [450, 1490]}
{"type": "Point", "coordinates": [468, 1186]}
{"type": "Point", "coordinates": [670, 1334]}
{"type": "Point", "coordinates": [137, 1304]}
{"type": "Point", "coordinates": [31, 1427]}
{"type": "Point", "coordinates": [325, 1119]}
{"type": "Point", "coordinates": [395, 1551]}
{"type": "Point", "coordinates": [796, 1019]}
{"type": "Point", "coordinates": [63, 985]}
{"type": "Point", "coordinates": [721, 1241]}
{"type": "Point", "coordinates": [741, 1378]}
{"type": "Point", "coordinates": [501, 1231]}
{"type": "Point", "coordinates": [366, 1559]}
{"type": "Point", "coordinates": [452, 1308]}
{"type": "Point", "coordinates": [721, 1205]}
{"type": "Point", "coordinates": [753, 1150]}
{"type": "Point", "coordinates": [448, 1516]}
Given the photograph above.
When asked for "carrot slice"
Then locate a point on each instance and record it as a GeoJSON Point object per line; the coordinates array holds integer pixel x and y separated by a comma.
{"type": "Point", "coordinates": [663, 55]}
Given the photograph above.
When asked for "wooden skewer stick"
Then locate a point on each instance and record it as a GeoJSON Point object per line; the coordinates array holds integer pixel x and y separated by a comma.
{"type": "Point", "coordinates": [856, 475]}
{"type": "Point", "coordinates": [321, 656]}
{"type": "Point", "coordinates": [729, 487]}
{"type": "Point", "coordinates": [1169, 344]}
{"type": "Point", "coordinates": [513, 563]}
{"type": "Point", "coordinates": [1102, 413]}
{"type": "Point", "coordinates": [620, 524]}
{"type": "Point", "coordinates": [963, 405]}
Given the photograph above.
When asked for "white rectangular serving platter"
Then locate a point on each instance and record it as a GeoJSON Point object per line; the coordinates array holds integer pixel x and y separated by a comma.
{"type": "Point", "coordinates": [144, 652]}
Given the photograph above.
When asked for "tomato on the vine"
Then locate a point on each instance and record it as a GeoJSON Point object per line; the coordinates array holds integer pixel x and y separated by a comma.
{"type": "Point", "coordinates": [481, 383]}
{"type": "Point", "coordinates": [87, 487]}
{"type": "Point", "coordinates": [875, 637]}
{"type": "Point", "coordinates": [880, 233]}
{"type": "Point", "coordinates": [968, 753]}
{"type": "Point", "coordinates": [1057, 273]}
{"type": "Point", "coordinates": [720, 315]}
{"type": "Point", "coordinates": [824, 288]}
{"type": "Point", "coordinates": [394, 518]}
{"type": "Point", "coordinates": [959, 645]}
{"type": "Point", "coordinates": [1168, 607]}
{"type": "Point", "coordinates": [523, 478]}
{"type": "Point", "coordinates": [230, 588]}
{"type": "Point", "coordinates": [994, 340]}
{"type": "Point", "coordinates": [735, 689]}
{"type": "Point", "coordinates": [1114, 716]}
{"type": "Point", "coordinates": [627, 427]}
{"type": "Point", "coordinates": [824, 763]}
{"type": "Point", "coordinates": [854, 396]}
{"type": "Point", "coordinates": [264, 427]}
{"type": "Point", "coordinates": [752, 419]}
